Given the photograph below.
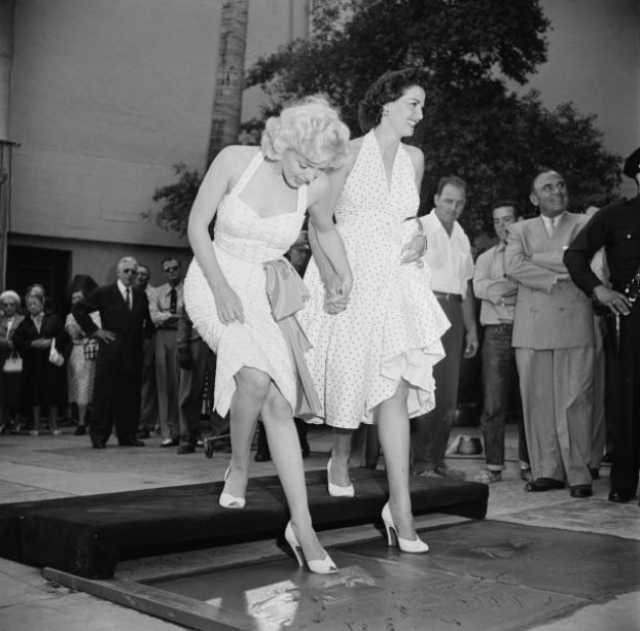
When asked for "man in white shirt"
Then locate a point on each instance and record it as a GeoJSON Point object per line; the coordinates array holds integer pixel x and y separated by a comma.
{"type": "Point", "coordinates": [165, 307]}
{"type": "Point", "coordinates": [498, 295]}
{"type": "Point", "coordinates": [449, 257]}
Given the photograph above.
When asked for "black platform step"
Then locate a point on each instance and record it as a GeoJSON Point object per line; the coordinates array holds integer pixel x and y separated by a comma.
{"type": "Point", "coordinates": [88, 535]}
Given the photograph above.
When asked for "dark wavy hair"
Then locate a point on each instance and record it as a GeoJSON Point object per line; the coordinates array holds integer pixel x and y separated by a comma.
{"type": "Point", "coordinates": [386, 89]}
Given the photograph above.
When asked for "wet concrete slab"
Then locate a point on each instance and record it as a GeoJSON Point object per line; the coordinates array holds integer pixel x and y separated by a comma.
{"type": "Point", "coordinates": [580, 564]}
{"type": "Point", "coordinates": [367, 594]}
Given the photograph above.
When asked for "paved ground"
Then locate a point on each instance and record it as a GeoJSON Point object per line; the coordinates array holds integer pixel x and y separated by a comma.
{"type": "Point", "coordinates": [44, 467]}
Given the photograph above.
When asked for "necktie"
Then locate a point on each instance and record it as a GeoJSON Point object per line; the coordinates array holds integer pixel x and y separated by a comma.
{"type": "Point", "coordinates": [128, 298]}
{"type": "Point", "coordinates": [173, 301]}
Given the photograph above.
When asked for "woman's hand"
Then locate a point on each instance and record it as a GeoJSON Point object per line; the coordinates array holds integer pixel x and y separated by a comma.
{"type": "Point", "coordinates": [229, 306]}
{"type": "Point", "coordinates": [414, 250]}
{"type": "Point", "coordinates": [337, 292]}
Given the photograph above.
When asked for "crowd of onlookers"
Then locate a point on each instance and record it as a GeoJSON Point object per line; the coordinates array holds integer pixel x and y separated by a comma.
{"type": "Point", "coordinates": [176, 367]}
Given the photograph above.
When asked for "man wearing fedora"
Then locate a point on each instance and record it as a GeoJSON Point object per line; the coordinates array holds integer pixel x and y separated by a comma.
{"type": "Point", "coordinates": [617, 229]}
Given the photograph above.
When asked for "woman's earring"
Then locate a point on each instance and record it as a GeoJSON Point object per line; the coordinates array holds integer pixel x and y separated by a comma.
{"type": "Point", "coordinates": [385, 112]}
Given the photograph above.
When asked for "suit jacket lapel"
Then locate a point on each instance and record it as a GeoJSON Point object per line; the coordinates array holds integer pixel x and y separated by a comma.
{"type": "Point", "coordinates": [539, 239]}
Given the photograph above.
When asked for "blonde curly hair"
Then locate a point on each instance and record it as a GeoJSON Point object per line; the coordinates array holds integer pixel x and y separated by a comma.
{"type": "Point", "coordinates": [310, 127]}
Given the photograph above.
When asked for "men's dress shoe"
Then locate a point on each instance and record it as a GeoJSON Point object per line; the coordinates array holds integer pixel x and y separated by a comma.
{"type": "Point", "coordinates": [143, 433]}
{"type": "Point", "coordinates": [581, 490]}
{"type": "Point", "coordinates": [170, 442]}
{"type": "Point", "coordinates": [98, 445]}
{"type": "Point", "coordinates": [595, 473]}
{"type": "Point", "coordinates": [621, 497]}
{"type": "Point", "coordinates": [187, 448]}
{"type": "Point", "coordinates": [131, 442]}
{"type": "Point", "coordinates": [543, 484]}
{"type": "Point", "coordinates": [81, 430]}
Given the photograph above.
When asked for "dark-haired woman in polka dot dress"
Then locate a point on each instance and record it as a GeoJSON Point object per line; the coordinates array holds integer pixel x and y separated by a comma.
{"type": "Point", "coordinates": [373, 362]}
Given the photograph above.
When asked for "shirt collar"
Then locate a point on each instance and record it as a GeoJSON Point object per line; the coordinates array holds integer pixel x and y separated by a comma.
{"type": "Point", "coordinates": [122, 287]}
{"type": "Point", "coordinates": [436, 222]}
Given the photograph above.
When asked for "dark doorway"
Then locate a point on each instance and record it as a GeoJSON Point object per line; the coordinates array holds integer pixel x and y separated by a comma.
{"type": "Point", "coordinates": [50, 268]}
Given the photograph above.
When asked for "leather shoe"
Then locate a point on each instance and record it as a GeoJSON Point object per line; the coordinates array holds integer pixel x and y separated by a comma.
{"type": "Point", "coordinates": [540, 485]}
{"type": "Point", "coordinates": [98, 445]}
{"type": "Point", "coordinates": [143, 433]}
{"type": "Point", "coordinates": [262, 456]}
{"type": "Point", "coordinates": [187, 448]}
{"type": "Point", "coordinates": [132, 442]}
{"type": "Point", "coordinates": [595, 474]}
{"type": "Point", "coordinates": [621, 497]}
{"type": "Point", "coordinates": [581, 490]}
{"type": "Point", "coordinates": [170, 442]}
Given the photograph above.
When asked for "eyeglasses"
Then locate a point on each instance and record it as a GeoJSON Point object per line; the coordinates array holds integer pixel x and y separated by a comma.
{"type": "Point", "coordinates": [172, 268]}
{"type": "Point", "coordinates": [128, 271]}
{"type": "Point", "coordinates": [8, 304]}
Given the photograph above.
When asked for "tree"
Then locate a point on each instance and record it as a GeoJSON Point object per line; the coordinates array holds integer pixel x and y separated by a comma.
{"type": "Point", "coordinates": [473, 125]}
{"type": "Point", "coordinates": [227, 105]}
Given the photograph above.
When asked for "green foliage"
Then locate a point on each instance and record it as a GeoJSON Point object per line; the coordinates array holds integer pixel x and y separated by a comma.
{"type": "Point", "coordinates": [473, 125]}
{"type": "Point", "coordinates": [177, 199]}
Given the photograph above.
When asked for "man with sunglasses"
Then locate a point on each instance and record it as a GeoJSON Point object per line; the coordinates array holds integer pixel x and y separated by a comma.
{"type": "Point", "coordinates": [124, 314]}
{"type": "Point", "coordinates": [165, 307]}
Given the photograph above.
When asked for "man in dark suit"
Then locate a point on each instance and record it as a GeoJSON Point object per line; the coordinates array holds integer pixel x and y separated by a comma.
{"type": "Point", "coordinates": [124, 314]}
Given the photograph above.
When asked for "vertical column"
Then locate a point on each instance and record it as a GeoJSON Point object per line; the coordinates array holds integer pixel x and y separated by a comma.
{"type": "Point", "coordinates": [7, 8]}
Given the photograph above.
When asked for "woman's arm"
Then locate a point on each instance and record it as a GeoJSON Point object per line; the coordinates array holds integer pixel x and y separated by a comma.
{"type": "Point", "coordinates": [415, 249]}
{"type": "Point", "coordinates": [329, 244]}
{"type": "Point", "coordinates": [215, 185]}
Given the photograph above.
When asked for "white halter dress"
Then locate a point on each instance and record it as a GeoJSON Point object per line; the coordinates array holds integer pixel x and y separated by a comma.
{"type": "Point", "coordinates": [243, 241]}
{"type": "Point", "coordinates": [392, 327]}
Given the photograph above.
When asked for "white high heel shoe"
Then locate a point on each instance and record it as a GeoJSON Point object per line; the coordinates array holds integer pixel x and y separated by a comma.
{"type": "Point", "coordinates": [226, 500]}
{"type": "Point", "coordinates": [321, 566]}
{"type": "Point", "coordinates": [414, 546]}
{"type": "Point", "coordinates": [338, 491]}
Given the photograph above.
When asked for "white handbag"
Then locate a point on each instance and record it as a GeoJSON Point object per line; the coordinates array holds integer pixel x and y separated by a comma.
{"type": "Point", "coordinates": [13, 364]}
{"type": "Point", "coordinates": [55, 357]}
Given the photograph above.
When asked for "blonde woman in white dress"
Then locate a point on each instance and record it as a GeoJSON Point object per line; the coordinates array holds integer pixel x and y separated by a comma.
{"type": "Point", "coordinates": [261, 195]}
{"type": "Point", "coordinates": [373, 362]}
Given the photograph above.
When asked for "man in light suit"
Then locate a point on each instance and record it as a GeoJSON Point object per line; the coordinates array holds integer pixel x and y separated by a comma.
{"type": "Point", "coordinates": [124, 314]}
{"type": "Point", "coordinates": [553, 338]}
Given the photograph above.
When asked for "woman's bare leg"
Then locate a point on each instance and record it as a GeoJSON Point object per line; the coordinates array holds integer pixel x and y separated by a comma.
{"type": "Point", "coordinates": [287, 458]}
{"type": "Point", "coordinates": [340, 452]}
{"type": "Point", "coordinates": [393, 431]}
{"type": "Point", "coordinates": [252, 386]}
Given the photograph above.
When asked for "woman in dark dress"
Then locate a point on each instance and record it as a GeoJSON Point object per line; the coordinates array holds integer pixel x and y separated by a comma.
{"type": "Point", "coordinates": [10, 380]}
{"type": "Point", "coordinates": [43, 382]}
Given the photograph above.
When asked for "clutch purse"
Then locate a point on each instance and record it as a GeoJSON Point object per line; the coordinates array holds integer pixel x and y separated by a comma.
{"type": "Point", "coordinates": [13, 364]}
{"type": "Point", "coordinates": [55, 357]}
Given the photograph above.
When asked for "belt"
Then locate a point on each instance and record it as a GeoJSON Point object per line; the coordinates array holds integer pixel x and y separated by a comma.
{"type": "Point", "coordinates": [502, 325]}
{"type": "Point", "coordinates": [441, 295]}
